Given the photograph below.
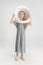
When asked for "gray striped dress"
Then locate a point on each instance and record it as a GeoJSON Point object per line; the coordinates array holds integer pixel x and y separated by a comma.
{"type": "Point", "coordinates": [20, 38]}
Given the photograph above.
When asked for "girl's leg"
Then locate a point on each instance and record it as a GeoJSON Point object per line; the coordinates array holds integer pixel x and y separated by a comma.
{"type": "Point", "coordinates": [22, 44]}
{"type": "Point", "coordinates": [22, 56]}
{"type": "Point", "coordinates": [17, 45]}
{"type": "Point", "coordinates": [17, 56]}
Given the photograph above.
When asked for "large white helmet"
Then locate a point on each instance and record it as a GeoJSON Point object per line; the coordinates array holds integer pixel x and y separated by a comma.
{"type": "Point", "coordinates": [27, 13]}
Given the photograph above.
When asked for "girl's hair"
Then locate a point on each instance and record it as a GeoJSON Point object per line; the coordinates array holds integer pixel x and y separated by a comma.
{"type": "Point", "coordinates": [24, 15]}
{"type": "Point", "coordinates": [25, 25]}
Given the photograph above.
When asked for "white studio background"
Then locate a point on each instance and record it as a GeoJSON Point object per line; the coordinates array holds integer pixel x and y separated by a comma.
{"type": "Point", "coordinates": [34, 33]}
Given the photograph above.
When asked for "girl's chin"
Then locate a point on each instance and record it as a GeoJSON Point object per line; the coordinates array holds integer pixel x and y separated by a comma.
{"type": "Point", "coordinates": [21, 18]}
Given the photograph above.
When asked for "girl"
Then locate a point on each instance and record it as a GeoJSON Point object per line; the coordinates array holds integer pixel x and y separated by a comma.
{"type": "Point", "coordinates": [20, 41]}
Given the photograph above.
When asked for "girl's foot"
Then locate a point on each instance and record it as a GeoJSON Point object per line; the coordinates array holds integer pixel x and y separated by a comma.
{"type": "Point", "coordinates": [22, 58]}
{"type": "Point", "coordinates": [16, 58]}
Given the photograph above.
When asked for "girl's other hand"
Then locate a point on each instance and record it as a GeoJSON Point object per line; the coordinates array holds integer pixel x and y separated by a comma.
{"type": "Point", "coordinates": [30, 23]}
{"type": "Point", "coordinates": [13, 15]}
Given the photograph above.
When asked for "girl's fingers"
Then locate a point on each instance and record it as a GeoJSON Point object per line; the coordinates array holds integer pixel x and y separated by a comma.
{"type": "Point", "coordinates": [30, 23]}
{"type": "Point", "coordinates": [13, 14]}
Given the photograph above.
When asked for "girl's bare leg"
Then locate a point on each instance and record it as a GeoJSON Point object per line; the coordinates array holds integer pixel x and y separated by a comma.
{"type": "Point", "coordinates": [22, 57]}
{"type": "Point", "coordinates": [17, 56]}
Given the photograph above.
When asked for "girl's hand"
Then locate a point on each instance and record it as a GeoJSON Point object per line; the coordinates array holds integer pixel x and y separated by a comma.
{"type": "Point", "coordinates": [13, 15]}
{"type": "Point", "coordinates": [30, 23]}
{"type": "Point", "coordinates": [30, 20]}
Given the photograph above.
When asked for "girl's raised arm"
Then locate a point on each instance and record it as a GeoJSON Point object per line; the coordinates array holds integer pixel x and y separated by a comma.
{"type": "Point", "coordinates": [30, 23]}
{"type": "Point", "coordinates": [30, 18]}
{"type": "Point", "coordinates": [12, 19]}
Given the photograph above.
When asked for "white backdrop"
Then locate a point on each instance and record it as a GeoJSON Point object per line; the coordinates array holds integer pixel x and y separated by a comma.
{"type": "Point", "coordinates": [34, 33]}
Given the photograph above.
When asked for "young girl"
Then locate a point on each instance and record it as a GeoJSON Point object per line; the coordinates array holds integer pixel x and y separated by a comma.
{"type": "Point", "coordinates": [20, 41]}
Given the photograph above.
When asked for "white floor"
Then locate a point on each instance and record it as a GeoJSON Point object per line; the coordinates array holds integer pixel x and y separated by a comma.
{"type": "Point", "coordinates": [33, 56]}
